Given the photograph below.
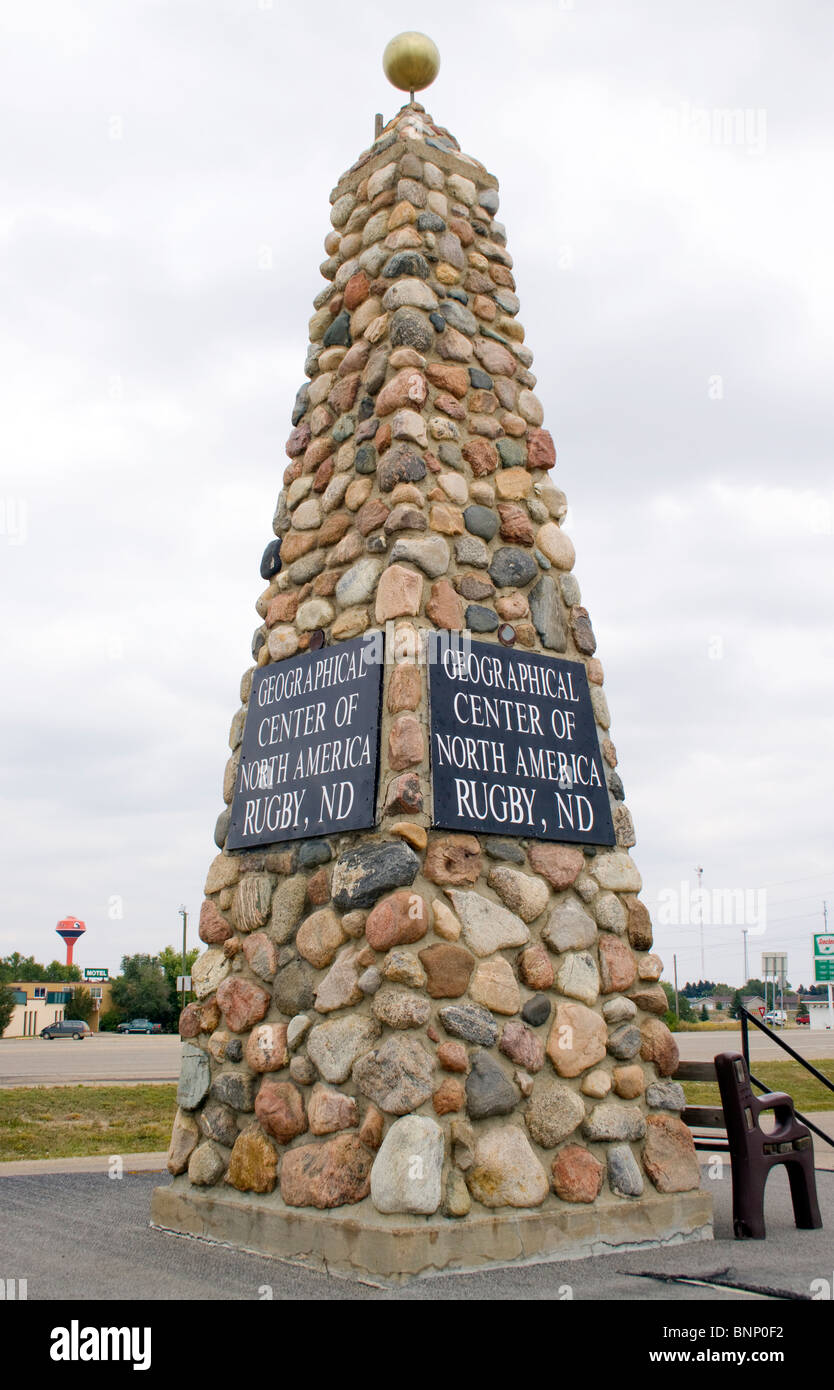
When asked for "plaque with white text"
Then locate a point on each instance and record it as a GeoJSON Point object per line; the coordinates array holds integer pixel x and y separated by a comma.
{"type": "Point", "coordinates": [308, 762]}
{"type": "Point", "coordinates": [514, 748]}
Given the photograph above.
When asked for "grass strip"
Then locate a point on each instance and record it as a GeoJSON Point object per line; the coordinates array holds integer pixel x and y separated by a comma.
{"type": "Point", "coordinates": [77, 1121]}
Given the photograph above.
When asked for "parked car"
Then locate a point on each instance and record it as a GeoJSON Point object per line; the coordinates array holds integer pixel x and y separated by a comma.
{"type": "Point", "coordinates": [777, 1018]}
{"type": "Point", "coordinates": [139, 1025]}
{"type": "Point", "coordinates": [804, 1017]}
{"type": "Point", "coordinates": [67, 1028]}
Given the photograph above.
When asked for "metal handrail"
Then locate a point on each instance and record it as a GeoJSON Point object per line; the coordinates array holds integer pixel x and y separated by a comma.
{"type": "Point", "coordinates": [746, 1017]}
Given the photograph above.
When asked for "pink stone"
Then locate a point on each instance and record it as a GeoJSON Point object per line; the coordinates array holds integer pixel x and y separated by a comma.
{"type": "Point", "coordinates": [214, 929]}
{"type": "Point", "coordinates": [327, 1175]}
{"type": "Point", "coordinates": [407, 388]}
{"type": "Point", "coordinates": [242, 1003]}
{"type": "Point", "coordinates": [617, 966]}
{"type": "Point", "coordinates": [541, 451]}
{"type": "Point", "coordinates": [577, 1175]}
{"type": "Point", "coordinates": [521, 1045]}
{"type": "Point", "coordinates": [405, 742]}
{"type": "Point", "coordinates": [669, 1155]}
{"type": "Point", "coordinates": [329, 1111]}
{"type": "Point", "coordinates": [280, 1108]}
{"type": "Point", "coordinates": [398, 593]}
{"type": "Point", "coordinates": [445, 608]}
{"type": "Point", "coordinates": [266, 1047]}
{"type": "Point", "coordinates": [397, 920]}
{"type": "Point", "coordinates": [557, 863]}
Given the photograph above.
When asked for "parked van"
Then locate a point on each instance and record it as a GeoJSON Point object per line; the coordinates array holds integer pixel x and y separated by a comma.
{"type": "Point", "coordinates": [67, 1028]}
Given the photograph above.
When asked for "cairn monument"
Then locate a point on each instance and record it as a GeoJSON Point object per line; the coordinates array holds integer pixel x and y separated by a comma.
{"type": "Point", "coordinates": [428, 1027]}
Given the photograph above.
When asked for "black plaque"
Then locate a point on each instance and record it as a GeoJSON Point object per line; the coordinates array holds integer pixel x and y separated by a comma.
{"type": "Point", "coordinates": [308, 764]}
{"type": "Point", "coordinates": [514, 748]}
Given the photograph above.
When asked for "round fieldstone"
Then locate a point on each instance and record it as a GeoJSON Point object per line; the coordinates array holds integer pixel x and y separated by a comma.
{"type": "Point", "coordinates": [537, 1010]}
{"type": "Point", "coordinates": [577, 1175]}
{"type": "Point", "coordinates": [411, 328]}
{"type": "Point", "coordinates": [624, 1176]}
{"type": "Point", "coordinates": [554, 1112]}
{"type": "Point", "coordinates": [470, 1022]}
{"type": "Point", "coordinates": [489, 1090]}
{"type": "Point", "coordinates": [480, 619]}
{"type": "Point", "coordinates": [481, 521]}
{"type": "Point", "coordinates": [512, 568]}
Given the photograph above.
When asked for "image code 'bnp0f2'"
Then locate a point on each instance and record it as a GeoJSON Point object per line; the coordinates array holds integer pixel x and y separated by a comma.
{"type": "Point", "coordinates": [514, 746]}
{"type": "Point", "coordinates": [308, 762]}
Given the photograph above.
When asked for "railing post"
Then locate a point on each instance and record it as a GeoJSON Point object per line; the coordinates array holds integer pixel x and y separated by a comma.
{"type": "Point", "coordinates": [745, 1041]}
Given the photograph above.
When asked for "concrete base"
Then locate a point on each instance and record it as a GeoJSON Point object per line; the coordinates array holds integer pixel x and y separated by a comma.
{"type": "Point", "coordinates": [393, 1249]}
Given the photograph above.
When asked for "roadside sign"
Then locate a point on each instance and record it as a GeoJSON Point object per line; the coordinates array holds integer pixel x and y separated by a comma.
{"type": "Point", "coordinates": [761, 1011]}
{"type": "Point", "coordinates": [774, 965]}
{"type": "Point", "coordinates": [96, 972]}
{"type": "Point", "coordinates": [823, 970]}
{"type": "Point", "coordinates": [824, 944]}
{"type": "Point", "coordinates": [183, 983]}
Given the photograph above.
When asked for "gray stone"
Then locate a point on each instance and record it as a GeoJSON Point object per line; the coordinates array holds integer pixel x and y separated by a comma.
{"type": "Point", "coordinates": [578, 977]}
{"type": "Point", "coordinates": [571, 592]}
{"type": "Point", "coordinates": [396, 1076]}
{"type": "Point", "coordinates": [554, 1112]}
{"type": "Point", "coordinates": [357, 584]}
{"type": "Point", "coordinates": [666, 1095]}
{"type": "Point", "coordinates": [335, 1045]}
{"type": "Point", "coordinates": [407, 1171]}
{"type": "Point", "coordinates": [399, 465]}
{"type": "Point", "coordinates": [370, 980]}
{"type": "Point", "coordinates": [489, 1090]}
{"type": "Point", "coordinates": [624, 1176]}
{"type": "Point", "coordinates": [481, 619]}
{"type": "Point", "coordinates": [479, 379]}
{"type": "Point", "coordinates": [569, 927]}
{"type": "Point", "coordinates": [625, 1042]}
{"type": "Point", "coordinates": [430, 554]}
{"type": "Point", "coordinates": [338, 334]}
{"type": "Point", "coordinates": [362, 875]}
{"type": "Point", "coordinates": [234, 1088]}
{"type": "Point", "coordinates": [512, 568]}
{"type": "Point", "coordinates": [537, 1010]}
{"type": "Point", "coordinates": [195, 1077]}
{"type": "Point", "coordinates": [450, 454]}
{"type": "Point", "coordinates": [610, 1121]}
{"type": "Point", "coordinates": [288, 908]}
{"type": "Point", "coordinates": [512, 452]}
{"type": "Point", "coordinates": [206, 1165]}
{"type": "Point", "coordinates": [487, 926]}
{"type": "Point", "coordinates": [455, 314]}
{"type": "Point", "coordinates": [218, 1121]}
{"type": "Point", "coordinates": [411, 328]}
{"type": "Point", "coordinates": [504, 850]}
{"type": "Point", "coordinates": [401, 1008]}
{"type": "Point", "coordinates": [546, 612]}
{"type": "Point", "coordinates": [618, 1010]}
{"type": "Point", "coordinates": [406, 263]}
{"type": "Point", "coordinates": [430, 222]}
{"type": "Point", "coordinates": [610, 913]}
{"type": "Point", "coordinates": [481, 521]}
{"type": "Point", "coordinates": [470, 550]}
{"type": "Point", "coordinates": [294, 987]}
{"type": "Point", "coordinates": [314, 852]}
{"type": "Point", "coordinates": [470, 1022]}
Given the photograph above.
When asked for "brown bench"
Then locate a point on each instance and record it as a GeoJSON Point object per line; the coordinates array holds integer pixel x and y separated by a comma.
{"type": "Point", "coordinates": [753, 1151]}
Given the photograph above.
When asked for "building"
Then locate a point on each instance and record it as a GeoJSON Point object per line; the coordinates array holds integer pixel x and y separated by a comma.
{"type": "Point", "coordinates": [40, 1002]}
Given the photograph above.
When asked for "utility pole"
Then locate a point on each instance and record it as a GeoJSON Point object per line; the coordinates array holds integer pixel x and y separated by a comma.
{"type": "Point", "coordinates": [184, 915]}
{"type": "Point", "coordinates": [830, 993]}
{"type": "Point", "coordinates": [744, 931]}
{"type": "Point", "coordinates": [699, 871]}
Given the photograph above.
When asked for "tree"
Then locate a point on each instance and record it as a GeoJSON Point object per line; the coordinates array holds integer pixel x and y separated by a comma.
{"type": "Point", "coordinates": [685, 1013]}
{"type": "Point", "coordinates": [170, 958]}
{"type": "Point", "coordinates": [736, 1005]}
{"type": "Point", "coordinates": [7, 1004]}
{"type": "Point", "coordinates": [79, 1004]}
{"type": "Point", "coordinates": [28, 970]}
{"type": "Point", "coordinates": [141, 991]}
{"type": "Point", "coordinates": [703, 1015]}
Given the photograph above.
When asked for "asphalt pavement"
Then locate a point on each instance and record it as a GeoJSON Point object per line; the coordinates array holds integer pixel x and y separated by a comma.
{"type": "Point", "coordinates": [88, 1236]}
{"type": "Point", "coordinates": [134, 1058]}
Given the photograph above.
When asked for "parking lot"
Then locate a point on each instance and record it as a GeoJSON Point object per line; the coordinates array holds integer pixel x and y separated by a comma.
{"type": "Point", "coordinates": [104, 1057]}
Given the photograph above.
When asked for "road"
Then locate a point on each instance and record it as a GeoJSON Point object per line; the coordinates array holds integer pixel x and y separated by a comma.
{"type": "Point", "coordinates": [58, 1231]}
{"type": "Point", "coordinates": [702, 1047]}
{"type": "Point", "coordinates": [104, 1057]}
{"type": "Point", "coordinates": [110, 1057]}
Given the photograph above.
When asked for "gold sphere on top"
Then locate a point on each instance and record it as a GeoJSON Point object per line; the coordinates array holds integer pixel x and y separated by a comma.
{"type": "Point", "coordinates": [411, 61]}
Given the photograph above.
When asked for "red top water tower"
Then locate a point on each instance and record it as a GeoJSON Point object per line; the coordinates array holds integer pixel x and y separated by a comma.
{"type": "Point", "coordinates": [70, 928]}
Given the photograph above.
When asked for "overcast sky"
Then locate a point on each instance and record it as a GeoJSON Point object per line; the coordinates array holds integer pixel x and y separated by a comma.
{"type": "Point", "coordinates": [666, 183]}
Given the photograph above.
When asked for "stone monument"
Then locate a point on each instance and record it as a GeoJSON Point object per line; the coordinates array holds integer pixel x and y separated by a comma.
{"type": "Point", "coordinates": [428, 1028]}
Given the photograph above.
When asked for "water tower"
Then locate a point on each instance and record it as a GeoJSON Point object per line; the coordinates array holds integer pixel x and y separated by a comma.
{"type": "Point", "coordinates": [70, 928]}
